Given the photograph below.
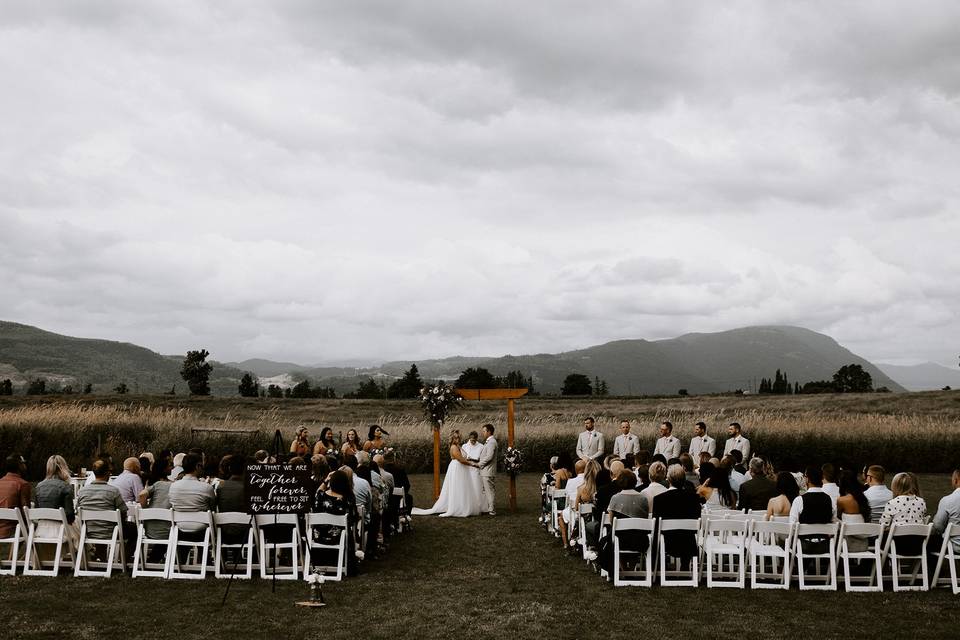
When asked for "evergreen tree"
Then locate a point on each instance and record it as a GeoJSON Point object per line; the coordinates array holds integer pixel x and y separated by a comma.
{"type": "Point", "coordinates": [6, 387]}
{"type": "Point", "coordinates": [274, 391]}
{"type": "Point", "coordinates": [88, 388]}
{"type": "Point", "coordinates": [37, 387]}
{"type": "Point", "coordinates": [249, 386]}
{"type": "Point", "coordinates": [476, 378]}
{"type": "Point", "coordinates": [516, 380]}
{"type": "Point", "coordinates": [408, 386]}
{"type": "Point", "coordinates": [369, 390]}
{"type": "Point", "coordinates": [196, 372]}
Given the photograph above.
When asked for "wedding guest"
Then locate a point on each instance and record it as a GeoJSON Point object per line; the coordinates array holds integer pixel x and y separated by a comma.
{"type": "Point", "coordinates": [738, 462]}
{"type": "Point", "coordinates": [704, 457]}
{"type": "Point", "coordinates": [628, 503]}
{"type": "Point", "coordinates": [626, 442]}
{"type": "Point", "coordinates": [667, 445]}
{"type": "Point", "coordinates": [906, 506]}
{"type": "Point", "coordinates": [716, 489]}
{"type": "Point", "coordinates": [701, 443]}
{"type": "Point", "coordinates": [14, 490]}
{"type": "Point", "coordinates": [390, 504]}
{"type": "Point", "coordinates": [787, 491]}
{"type": "Point", "coordinates": [106, 457]}
{"type": "Point", "coordinates": [853, 508]}
{"type": "Point", "coordinates": [375, 442]}
{"type": "Point", "coordinates": [156, 495]}
{"type": "Point", "coordinates": [588, 488]}
{"type": "Point", "coordinates": [572, 489]}
{"type": "Point", "coordinates": [590, 442]}
{"type": "Point", "coordinates": [260, 457]}
{"type": "Point", "coordinates": [350, 446]}
{"type": "Point", "coordinates": [326, 444]}
{"type": "Point", "coordinates": [736, 478]}
{"type": "Point", "coordinates": [736, 440]}
{"type": "Point", "coordinates": [686, 461]}
{"type": "Point", "coordinates": [128, 482]}
{"type": "Point", "coordinates": [830, 486]}
{"type": "Point", "coordinates": [101, 496]}
{"type": "Point", "coordinates": [643, 476]}
{"type": "Point", "coordinates": [231, 498]}
{"type": "Point", "coordinates": [400, 478]}
{"type": "Point", "coordinates": [301, 442]}
{"type": "Point", "coordinates": [678, 504]}
{"type": "Point", "coordinates": [819, 506]}
{"type": "Point", "coordinates": [337, 499]}
{"type": "Point", "coordinates": [362, 492]}
{"type": "Point", "coordinates": [177, 470]}
{"type": "Point", "coordinates": [54, 492]}
{"type": "Point", "coordinates": [658, 476]}
{"type": "Point", "coordinates": [189, 494]}
{"type": "Point", "coordinates": [755, 494]}
{"type": "Point", "coordinates": [146, 461]}
{"type": "Point", "coordinates": [948, 511]}
{"type": "Point", "coordinates": [877, 493]}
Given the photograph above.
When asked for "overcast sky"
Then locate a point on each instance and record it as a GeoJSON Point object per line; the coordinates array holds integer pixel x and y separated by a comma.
{"type": "Point", "coordinates": [317, 181]}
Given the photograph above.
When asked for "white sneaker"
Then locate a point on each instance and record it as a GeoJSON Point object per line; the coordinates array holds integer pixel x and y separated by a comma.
{"type": "Point", "coordinates": [590, 555]}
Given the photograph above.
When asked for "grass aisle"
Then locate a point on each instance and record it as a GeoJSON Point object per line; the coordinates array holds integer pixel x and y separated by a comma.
{"type": "Point", "coordinates": [501, 577]}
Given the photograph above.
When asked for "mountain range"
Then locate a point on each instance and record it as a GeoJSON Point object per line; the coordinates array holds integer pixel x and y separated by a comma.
{"type": "Point", "coordinates": [923, 377]}
{"type": "Point", "coordinates": [697, 362]}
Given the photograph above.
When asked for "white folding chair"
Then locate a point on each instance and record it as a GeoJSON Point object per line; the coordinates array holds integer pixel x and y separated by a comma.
{"type": "Point", "coordinates": [404, 521]}
{"type": "Point", "coordinates": [725, 539]}
{"type": "Point", "coordinates": [329, 571]}
{"type": "Point", "coordinates": [141, 566]}
{"type": "Point", "coordinates": [584, 515]}
{"type": "Point", "coordinates": [270, 551]}
{"type": "Point", "coordinates": [197, 552]}
{"type": "Point", "coordinates": [827, 532]}
{"type": "Point", "coordinates": [919, 561]}
{"type": "Point", "coordinates": [636, 577]}
{"type": "Point", "coordinates": [677, 576]}
{"type": "Point", "coordinates": [361, 533]}
{"type": "Point", "coordinates": [18, 536]}
{"type": "Point", "coordinates": [32, 564]}
{"type": "Point", "coordinates": [116, 554]}
{"type": "Point", "coordinates": [949, 556]}
{"type": "Point", "coordinates": [558, 500]}
{"type": "Point", "coordinates": [240, 549]}
{"type": "Point", "coordinates": [771, 541]}
{"type": "Point", "coordinates": [873, 554]}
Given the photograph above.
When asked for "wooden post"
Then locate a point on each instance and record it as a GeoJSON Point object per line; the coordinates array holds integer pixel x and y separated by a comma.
{"type": "Point", "coordinates": [513, 479]}
{"type": "Point", "coordinates": [436, 462]}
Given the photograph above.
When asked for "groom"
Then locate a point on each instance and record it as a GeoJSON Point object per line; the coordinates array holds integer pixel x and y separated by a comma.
{"type": "Point", "coordinates": [488, 467]}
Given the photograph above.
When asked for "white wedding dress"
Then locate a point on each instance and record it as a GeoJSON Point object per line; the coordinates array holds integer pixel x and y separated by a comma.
{"type": "Point", "coordinates": [461, 495]}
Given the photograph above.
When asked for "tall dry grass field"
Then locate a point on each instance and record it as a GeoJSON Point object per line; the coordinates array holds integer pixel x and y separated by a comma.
{"type": "Point", "coordinates": [919, 431]}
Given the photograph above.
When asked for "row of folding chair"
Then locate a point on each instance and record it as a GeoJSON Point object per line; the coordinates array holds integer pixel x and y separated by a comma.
{"type": "Point", "coordinates": [183, 555]}
{"type": "Point", "coordinates": [778, 552]}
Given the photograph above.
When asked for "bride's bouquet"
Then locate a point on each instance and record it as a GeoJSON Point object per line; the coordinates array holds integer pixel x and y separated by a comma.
{"type": "Point", "coordinates": [438, 401]}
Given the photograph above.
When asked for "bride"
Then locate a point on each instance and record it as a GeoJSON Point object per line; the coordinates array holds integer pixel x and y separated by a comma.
{"type": "Point", "coordinates": [462, 493]}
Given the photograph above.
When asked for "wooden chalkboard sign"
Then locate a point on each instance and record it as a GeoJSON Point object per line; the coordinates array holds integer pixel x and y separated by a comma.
{"type": "Point", "coordinates": [278, 488]}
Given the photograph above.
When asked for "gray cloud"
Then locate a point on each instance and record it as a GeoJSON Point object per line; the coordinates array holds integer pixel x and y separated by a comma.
{"type": "Point", "coordinates": [313, 181]}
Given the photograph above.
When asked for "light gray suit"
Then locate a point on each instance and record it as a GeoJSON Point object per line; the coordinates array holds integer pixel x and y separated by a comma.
{"type": "Point", "coordinates": [590, 445]}
{"type": "Point", "coordinates": [488, 472]}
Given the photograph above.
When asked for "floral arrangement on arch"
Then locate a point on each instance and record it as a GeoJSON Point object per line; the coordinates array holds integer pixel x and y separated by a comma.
{"type": "Point", "coordinates": [513, 461]}
{"type": "Point", "coordinates": [438, 402]}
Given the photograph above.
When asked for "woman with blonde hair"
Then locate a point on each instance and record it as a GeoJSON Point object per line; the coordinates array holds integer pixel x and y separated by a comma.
{"type": "Point", "coordinates": [906, 506]}
{"type": "Point", "coordinates": [587, 491]}
{"type": "Point", "coordinates": [54, 492]}
{"type": "Point", "coordinates": [462, 493]}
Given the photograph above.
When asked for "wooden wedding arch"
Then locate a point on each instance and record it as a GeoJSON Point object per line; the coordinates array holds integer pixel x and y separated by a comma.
{"type": "Point", "coordinates": [510, 395]}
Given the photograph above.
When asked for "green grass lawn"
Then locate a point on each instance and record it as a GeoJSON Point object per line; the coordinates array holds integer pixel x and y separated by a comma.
{"type": "Point", "coordinates": [500, 577]}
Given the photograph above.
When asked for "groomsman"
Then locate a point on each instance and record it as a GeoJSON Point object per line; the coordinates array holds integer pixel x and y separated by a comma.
{"type": "Point", "coordinates": [626, 442]}
{"type": "Point", "coordinates": [667, 445]}
{"type": "Point", "coordinates": [590, 443]}
{"type": "Point", "coordinates": [701, 442]}
{"type": "Point", "coordinates": [736, 440]}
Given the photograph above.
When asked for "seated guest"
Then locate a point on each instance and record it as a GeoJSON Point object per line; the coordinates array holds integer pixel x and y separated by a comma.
{"type": "Point", "coordinates": [54, 492]}
{"type": "Point", "coordinates": [906, 506]}
{"type": "Point", "coordinates": [703, 457]}
{"type": "Point", "coordinates": [177, 470]}
{"type": "Point", "coordinates": [362, 492]}
{"type": "Point", "coordinates": [716, 490]}
{"type": "Point", "coordinates": [877, 493]}
{"type": "Point", "coordinates": [211, 471]}
{"type": "Point", "coordinates": [787, 491]}
{"type": "Point", "coordinates": [14, 490]}
{"type": "Point", "coordinates": [157, 496]}
{"type": "Point", "coordinates": [853, 508]}
{"type": "Point", "coordinates": [627, 503]}
{"type": "Point", "coordinates": [231, 498]}
{"type": "Point", "coordinates": [948, 511]}
{"type": "Point", "coordinates": [643, 476]}
{"type": "Point", "coordinates": [546, 483]}
{"type": "Point", "coordinates": [106, 457]}
{"type": "Point", "coordinates": [686, 461]}
{"type": "Point", "coordinates": [588, 488]}
{"type": "Point", "coordinates": [260, 457]}
{"type": "Point", "coordinates": [737, 456]}
{"type": "Point", "coordinates": [830, 486]}
{"type": "Point", "coordinates": [813, 507]}
{"type": "Point", "coordinates": [378, 464]}
{"type": "Point", "coordinates": [129, 482]}
{"type": "Point", "coordinates": [146, 461]}
{"type": "Point", "coordinates": [756, 493]}
{"type": "Point", "coordinates": [400, 478]}
{"type": "Point", "coordinates": [99, 495]}
{"type": "Point", "coordinates": [736, 477]}
{"type": "Point", "coordinates": [571, 489]}
{"type": "Point", "coordinates": [658, 476]}
{"type": "Point", "coordinates": [191, 495]}
{"type": "Point", "coordinates": [677, 503]}
{"type": "Point", "coordinates": [336, 499]}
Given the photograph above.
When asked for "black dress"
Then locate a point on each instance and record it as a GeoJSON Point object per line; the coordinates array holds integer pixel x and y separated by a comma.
{"type": "Point", "coordinates": [329, 534]}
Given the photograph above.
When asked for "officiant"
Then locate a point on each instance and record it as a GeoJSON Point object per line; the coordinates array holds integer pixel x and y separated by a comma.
{"type": "Point", "coordinates": [472, 447]}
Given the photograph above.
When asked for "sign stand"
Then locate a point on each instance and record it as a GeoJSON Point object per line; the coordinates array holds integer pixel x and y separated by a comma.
{"type": "Point", "coordinates": [510, 395]}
